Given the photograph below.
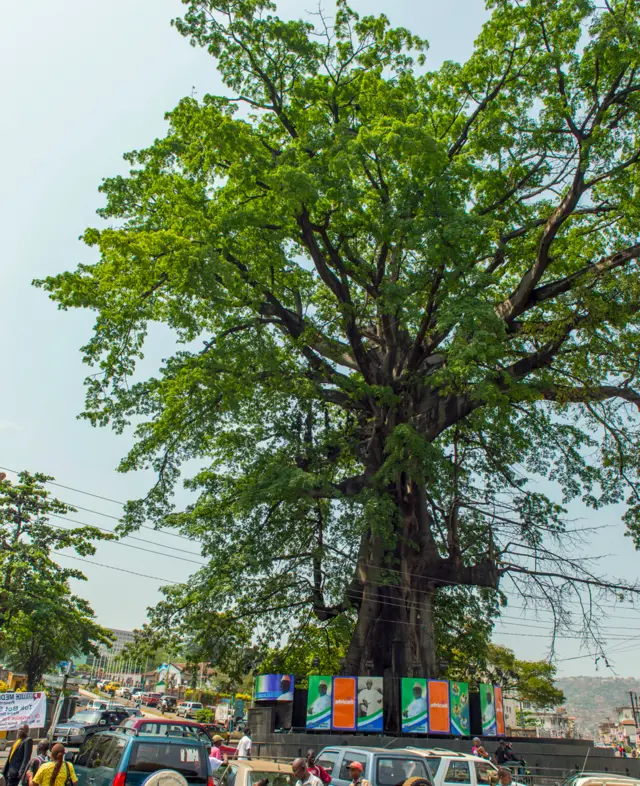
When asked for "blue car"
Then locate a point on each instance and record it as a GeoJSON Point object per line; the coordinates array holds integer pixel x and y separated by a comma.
{"type": "Point", "coordinates": [121, 758]}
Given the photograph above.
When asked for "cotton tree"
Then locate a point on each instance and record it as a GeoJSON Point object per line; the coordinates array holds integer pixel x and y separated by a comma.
{"type": "Point", "coordinates": [398, 294]}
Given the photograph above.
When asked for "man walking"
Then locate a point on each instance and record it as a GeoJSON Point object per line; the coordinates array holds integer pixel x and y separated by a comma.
{"type": "Point", "coordinates": [244, 746]}
{"type": "Point", "coordinates": [304, 777]}
{"type": "Point", "coordinates": [19, 757]}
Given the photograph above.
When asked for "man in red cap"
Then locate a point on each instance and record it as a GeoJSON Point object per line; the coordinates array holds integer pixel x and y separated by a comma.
{"type": "Point", "coordinates": [355, 770]}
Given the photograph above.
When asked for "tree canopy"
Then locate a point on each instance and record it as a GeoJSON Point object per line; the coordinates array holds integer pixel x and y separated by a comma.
{"type": "Point", "coordinates": [41, 620]}
{"type": "Point", "coordinates": [398, 294]}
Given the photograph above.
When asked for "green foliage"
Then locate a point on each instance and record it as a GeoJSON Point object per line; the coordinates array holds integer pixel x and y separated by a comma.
{"type": "Point", "coordinates": [534, 679]}
{"type": "Point", "coordinates": [41, 620]}
{"type": "Point", "coordinates": [205, 716]}
{"type": "Point", "coordinates": [397, 294]}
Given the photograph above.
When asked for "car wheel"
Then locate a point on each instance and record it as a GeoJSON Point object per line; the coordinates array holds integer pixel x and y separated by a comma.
{"type": "Point", "coordinates": [165, 778]}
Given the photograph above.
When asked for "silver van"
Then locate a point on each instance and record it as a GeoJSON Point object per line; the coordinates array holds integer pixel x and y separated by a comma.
{"type": "Point", "coordinates": [380, 766]}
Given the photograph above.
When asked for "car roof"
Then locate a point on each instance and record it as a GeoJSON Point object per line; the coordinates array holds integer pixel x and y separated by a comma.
{"type": "Point", "coordinates": [263, 765]}
{"type": "Point", "coordinates": [444, 752]}
{"type": "Point", "coordinates": [359, 750]}
{"type": "Point", "coordinates": [169, 722]}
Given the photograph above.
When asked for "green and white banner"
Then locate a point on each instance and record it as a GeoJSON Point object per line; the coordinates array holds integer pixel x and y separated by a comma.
{"type": "Point", "coordinates": [488, 709]}
{"type": "Point", "coordinates": [319, 702]}
{"type": "Point", "coordinates": [459, 704]}
{"type": "Point", "coordinates": [415, 714]}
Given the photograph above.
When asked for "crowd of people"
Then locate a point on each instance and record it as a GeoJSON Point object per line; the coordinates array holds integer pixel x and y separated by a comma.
{"type": "Point", "coordinates": [46, 768]}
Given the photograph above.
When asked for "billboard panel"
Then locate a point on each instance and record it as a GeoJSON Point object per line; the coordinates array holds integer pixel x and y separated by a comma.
{"type": "Point", "coordinates": [459, 701]}
{"type": "Point", "coordinates": [319, 703]}
{"type": "Point", "coordinates": [413, 697]}
{"type": "Point", "coordinates": [439, 719]}
{"type": "Point", "coordinates": [274, 687]}
{"type": "Point", "coordinates": [488, 709]}
{"type": "Point", "coordinates": [343, 715]}
{"type": "Point", "coordinates": [497, 695]}
{"type": "Point", "coordinates": [370, 703]}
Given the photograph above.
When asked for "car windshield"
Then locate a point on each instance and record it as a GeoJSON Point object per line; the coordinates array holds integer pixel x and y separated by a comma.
{"type": "Point", "coordinates": [196, 706]}
{"type": "Point", "coordinates": [188, 760]}
{"type": "Point", "coordinates": [86, 716]}
{"type": "Point", "coordinates": [275, 778]}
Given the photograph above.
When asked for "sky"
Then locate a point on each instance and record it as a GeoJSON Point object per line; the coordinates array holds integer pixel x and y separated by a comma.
{"type": "Point", "coordinates": [82, 83]}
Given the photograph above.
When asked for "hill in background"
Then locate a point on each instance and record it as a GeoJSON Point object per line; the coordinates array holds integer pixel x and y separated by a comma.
{"type": "Point", "coordinates": [593, 699]}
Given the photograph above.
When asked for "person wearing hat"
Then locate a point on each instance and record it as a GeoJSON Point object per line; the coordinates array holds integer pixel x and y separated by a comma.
{"type": "Point", "coordinates": [323, 702]}
{"type": "Point", "coordinates": [355, 771]}
{"type": "Point", "coordinates": [216, 751]}
{"type": "Point", "coordinates": [419, 704]}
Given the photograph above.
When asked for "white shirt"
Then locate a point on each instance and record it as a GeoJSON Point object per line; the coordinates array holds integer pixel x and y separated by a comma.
{"type": "Point", "coordinates": [321, 704]}
{"type": "Point", "coordinates": [417, 707]}
{"type": "Point", "coordinates": [311, 780]}
{"type": "Point", "coordinates": [288, 696]}
{"type": "Point", "coordinates": [373, 699]}
{"type": "Point", "coordinates": [244, 747]}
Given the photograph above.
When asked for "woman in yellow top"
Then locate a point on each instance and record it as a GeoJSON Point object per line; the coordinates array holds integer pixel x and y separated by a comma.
{"type": "Point", "coordinates": [56, 772]}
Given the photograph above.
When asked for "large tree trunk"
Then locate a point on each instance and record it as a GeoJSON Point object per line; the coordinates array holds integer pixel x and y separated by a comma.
{"type": "Point", "coordinates": [394, 636]}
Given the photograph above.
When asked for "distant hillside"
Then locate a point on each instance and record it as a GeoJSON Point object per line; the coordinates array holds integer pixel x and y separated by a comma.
{"type": "Point", "coordinates": [592, 699]}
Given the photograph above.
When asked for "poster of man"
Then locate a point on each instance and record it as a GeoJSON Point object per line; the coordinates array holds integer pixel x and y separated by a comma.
{"type": "Point", "coordinates": [370, 703]}
{"type": "Point", "coordinates": [414, 705]}
{"type": "Point", "coordinates": [286, 688]}
{"type": "Point", "coordinates": [274, 687]}
{"type": "Point", "coordinates": [488, 708]}
{"type": "Point", "coordinates": [319, 703]}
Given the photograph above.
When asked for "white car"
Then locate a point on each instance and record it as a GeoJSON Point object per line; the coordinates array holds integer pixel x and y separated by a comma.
{"type": "Point", "coordinates": [450, 767]}
{"type": "Point", "coordinates": [188, 709]}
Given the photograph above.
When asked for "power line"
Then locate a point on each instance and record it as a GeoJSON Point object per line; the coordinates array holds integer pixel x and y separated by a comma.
{"type": "Point", "coordinates": [113, 567]}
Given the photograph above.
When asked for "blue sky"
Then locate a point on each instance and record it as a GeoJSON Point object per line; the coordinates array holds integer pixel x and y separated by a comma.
{"type": "Point", "coordinates": [79, 88]}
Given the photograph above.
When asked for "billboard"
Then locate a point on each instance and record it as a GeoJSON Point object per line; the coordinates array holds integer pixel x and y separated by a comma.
{"type": "Point", "coordinates": [488, 710]}
{"type": "Point", "coordinates": [274, 687]}
{"type": "Point", "coordinates": [370, 703]}
{"type": "Point", "coordinates": [16, 709]}
{"type": "Point", "coordinates": [459, 703]}
{"type": "Point", "coordinates": [343, 710]}
{"type": "Point", "coordinates": [439, 720]}
{"type": "Point", "coordinates": [498, 700]}
{"type": "Point", "coordinates": [413, 697]}
{"type": "Point", "coordinates": [319, 703]}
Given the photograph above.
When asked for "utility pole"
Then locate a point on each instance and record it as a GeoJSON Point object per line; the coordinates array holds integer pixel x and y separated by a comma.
{"type": "Point", "coordinates": [635, 708]}
{"type": "Point", "coordinates": [56, 715]}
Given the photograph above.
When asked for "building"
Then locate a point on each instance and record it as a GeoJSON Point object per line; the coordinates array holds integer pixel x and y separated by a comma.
{"type": "Point", "coordinates": [522, 719]}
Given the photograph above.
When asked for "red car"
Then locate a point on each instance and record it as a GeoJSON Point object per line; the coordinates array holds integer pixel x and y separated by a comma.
{"type": "Point", "coordinates": [151, 699]}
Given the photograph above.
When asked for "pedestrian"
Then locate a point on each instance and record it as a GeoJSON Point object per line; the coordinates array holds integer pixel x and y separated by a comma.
{"type": "Point", "coordinates": [504, 776]}
{"type": "Point", "coordinates": [244, 746]}
{"type": "Point", "coordinates": [216, 751]}
{"type": "Point", "coordinates": [40, 758]}
{"type": "Point", "coordinates": [355, 771]}
{"type": "Point", "coordinates": [316, 769]}
{"type": "Point", "coordinates": [56, 772]}
{"type": "Point", "coordinates": [19, 757]}
{"type": "Point", "coordinates": [477, 748]}
{"type": "Point", "coordinates": [301, 772]}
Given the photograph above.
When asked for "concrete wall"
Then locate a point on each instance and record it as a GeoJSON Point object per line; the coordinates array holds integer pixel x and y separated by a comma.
{"type": "Point", "coordinates": [551, 759]}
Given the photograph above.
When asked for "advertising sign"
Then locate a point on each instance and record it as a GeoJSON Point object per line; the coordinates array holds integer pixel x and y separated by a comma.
{"type": "Point", "coordinates": [222, 713]}
{"type": "Point", "coordinates": [488, 709]}
{"type": "Point", "coordinates": [413, 697]}
{"type": "Point", "coordinates": [343, 715]}
{"type": "Point", "coordinates": [459, 701]}
{"type": "Point", "coordinates": [274, 687]}
{"type": "Point", "coordinates": [439, 720]}
{"type": "Point", "coordinates": [498, 699]}
{"type": "Point", "coordinates": [370, 703]}
{"type": "Point", "coordinates": [319, 703]}
{"type": "Point", "coordinates": [16, 709]}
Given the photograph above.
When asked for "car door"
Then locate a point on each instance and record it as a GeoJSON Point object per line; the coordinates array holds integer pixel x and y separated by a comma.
{"type": "Point", "coordinates": [458, 773]}
{"type": "Point", "coordinates": [328, 760]}
{"type": "Point", "coordinates": [482, 770]}
{"type": "Point", "coordinates": [394, 770]}
{"type": "Point", "coordinates": [344, 776]}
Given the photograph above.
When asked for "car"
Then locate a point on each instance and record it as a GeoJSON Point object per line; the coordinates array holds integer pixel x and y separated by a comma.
{"type": "Point", "coordinates": [151, 699]}
{"type": "Point", "coordinates": [134, 712]}
{"type": "Point", "coordinates": [380, 766]}
{"type": "Point", "coordinates": [163, 727]}
{"type": "Point", "coordinates": [86, 723]}
{"type": "Point", "coordinates": [600, 779]}
{"type": "Point", "coordinates": [168, 703]}
{"type": "Point", "coordinates": [249, 772]}
{"type": "Point", "coordinates": [188, 709]}
{"type": "Point", "coordinates": [448, 767]}
{"type": "Point", "coordinates": [124, 693]}
{"type": "Point", "coordinates": [114, 758]}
